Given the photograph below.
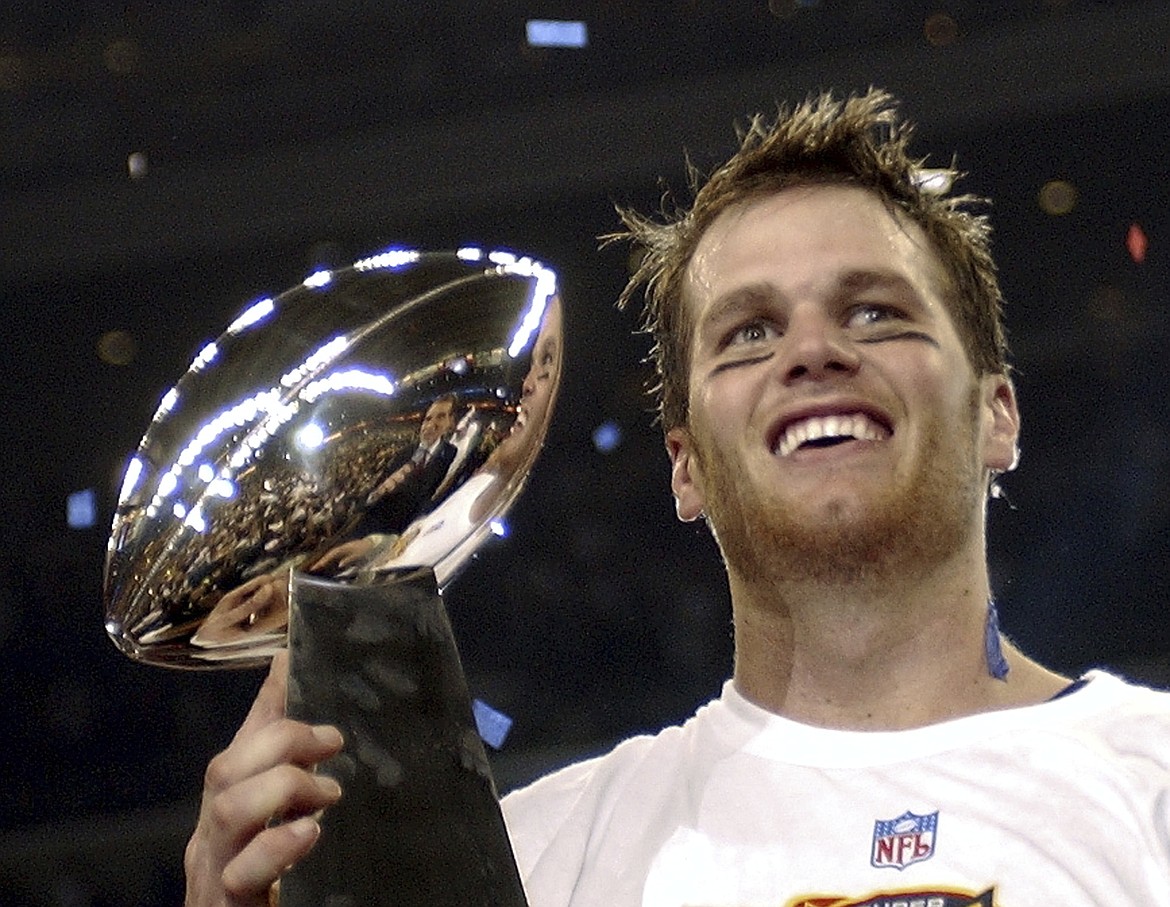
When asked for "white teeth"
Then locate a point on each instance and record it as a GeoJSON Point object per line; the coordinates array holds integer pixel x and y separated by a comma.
{"type": "Point", "coordinates": [857, 426]}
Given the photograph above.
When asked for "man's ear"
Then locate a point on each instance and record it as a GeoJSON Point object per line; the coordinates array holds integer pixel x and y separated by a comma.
{"type": "Point", "coordinates": [685, 477]}
{"type": "Point", "coordinates": [1001, 423]}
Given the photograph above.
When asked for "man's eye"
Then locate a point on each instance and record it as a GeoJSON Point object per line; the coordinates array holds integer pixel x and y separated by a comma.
{"type": "Point", "coordinates": [865, 315]}
{"type": "Point", "coordinates": [753, 332]}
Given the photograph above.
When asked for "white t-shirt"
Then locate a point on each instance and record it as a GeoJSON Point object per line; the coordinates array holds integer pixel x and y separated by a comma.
{"type": "Point", "coordinates": [1062, 804]}
{"type": "Point", "coordinates": [442, 539]}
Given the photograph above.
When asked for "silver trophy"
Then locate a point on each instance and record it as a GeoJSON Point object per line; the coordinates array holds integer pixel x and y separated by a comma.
{"type": "Point", "coordinates": [315, 479]}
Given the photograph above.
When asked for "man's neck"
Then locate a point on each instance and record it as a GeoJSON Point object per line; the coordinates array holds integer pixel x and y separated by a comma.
{"type": "Point", "coordinates": [878, 656]}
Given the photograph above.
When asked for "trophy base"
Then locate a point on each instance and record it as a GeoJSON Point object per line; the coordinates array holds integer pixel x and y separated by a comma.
{"type": "Point", "coordinates": [419, 822]}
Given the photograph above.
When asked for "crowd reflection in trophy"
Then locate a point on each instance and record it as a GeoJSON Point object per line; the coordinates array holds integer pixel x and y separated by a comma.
{"type": "Point", "coordinates": [425, 500]}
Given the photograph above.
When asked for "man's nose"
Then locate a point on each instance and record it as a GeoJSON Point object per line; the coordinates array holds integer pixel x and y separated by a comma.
{"type": "Point", "coordinates": [815, 346]}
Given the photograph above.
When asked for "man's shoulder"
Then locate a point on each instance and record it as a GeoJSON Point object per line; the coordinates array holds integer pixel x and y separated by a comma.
{"type": "Point", "coordinates": [1121, 697]}
{"type": "Point", "coordinates": [1122, 718]}
{"type": "Point", "coordinates": [565, 785]}
{"type": "Point", "coordinates": [589, 788]}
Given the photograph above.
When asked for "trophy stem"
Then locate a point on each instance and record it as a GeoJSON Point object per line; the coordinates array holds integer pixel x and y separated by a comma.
{"type": "Point", "coordinates": [419, 822]}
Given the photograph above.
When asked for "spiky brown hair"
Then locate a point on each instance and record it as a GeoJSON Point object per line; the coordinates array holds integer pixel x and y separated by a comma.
{"type": "Point", "coordinates": [858, 141]}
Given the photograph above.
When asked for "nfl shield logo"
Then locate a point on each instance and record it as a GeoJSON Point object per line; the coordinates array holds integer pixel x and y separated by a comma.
{"type": "Point", "coordinates": [908, 838]}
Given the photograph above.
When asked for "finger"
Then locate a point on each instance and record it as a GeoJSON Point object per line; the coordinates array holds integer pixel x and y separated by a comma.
{"type": "Point", "coordinates": [325, 561]}
{"type": "Point", "coordinates": [252, 584]}
{"type": "Point", "coordinates": [279, 743]}
{"type": "Point", "coordinates": [253, 871]}
{"type": "Point", "coordinates": [242, 811]}
{"type": "Point", "coordinates": [269, 704]}
{"type": "Point", "coordinates": [261, 596]}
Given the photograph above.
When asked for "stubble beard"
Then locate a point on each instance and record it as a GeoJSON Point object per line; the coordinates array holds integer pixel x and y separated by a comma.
{"type": "Point", "coordinates": [920, 521]}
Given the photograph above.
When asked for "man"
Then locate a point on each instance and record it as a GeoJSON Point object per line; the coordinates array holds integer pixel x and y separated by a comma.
{"type": "Point", "coordinates": [836, 401]}
{"type": "Point", "coordinates": [413, 477]}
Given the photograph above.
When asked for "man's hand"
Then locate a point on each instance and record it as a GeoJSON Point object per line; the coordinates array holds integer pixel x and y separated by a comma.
{"type": "Point", "coordinates": [340, 557]}
{"type": "Point", "coordinates": [391, 483]}
{"type": "Point", "coordinates": [259, 800]}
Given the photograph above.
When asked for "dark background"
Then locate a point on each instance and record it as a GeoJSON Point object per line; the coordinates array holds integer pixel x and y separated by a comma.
{"type": "Point", "coordinates": [281, 136]}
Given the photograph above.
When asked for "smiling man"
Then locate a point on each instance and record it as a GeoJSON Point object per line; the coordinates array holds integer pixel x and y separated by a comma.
{"type": "Point", "coordinates": [840, 442]}
{"type": "Point", "coordinates": [836, 400]}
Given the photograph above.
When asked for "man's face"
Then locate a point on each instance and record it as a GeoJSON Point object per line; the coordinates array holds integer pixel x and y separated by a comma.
{"type": "Point", "coordinates": [836, 423]}
{"type": "Point", "coordinates": [537, 394]}
{"type": "Point", "coordinates": [438, 422]}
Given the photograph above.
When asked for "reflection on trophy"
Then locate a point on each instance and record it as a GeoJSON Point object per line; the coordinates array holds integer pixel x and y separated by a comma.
{"type": "Point", "coordinates": [322, 470]}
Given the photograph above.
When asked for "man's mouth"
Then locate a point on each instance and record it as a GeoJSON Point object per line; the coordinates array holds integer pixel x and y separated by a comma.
{"type": "Point", "coordinates": [826, 431]}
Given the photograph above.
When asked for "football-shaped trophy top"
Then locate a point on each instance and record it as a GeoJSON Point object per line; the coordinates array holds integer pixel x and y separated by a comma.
{"type": "Point", "coordinates": [371, 420]}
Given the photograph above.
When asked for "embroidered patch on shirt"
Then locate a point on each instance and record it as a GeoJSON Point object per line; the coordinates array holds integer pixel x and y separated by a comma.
{"type": "Point", "coordinates": [902, 899]}
{"type": "Point", "coordinates": [903, 840]}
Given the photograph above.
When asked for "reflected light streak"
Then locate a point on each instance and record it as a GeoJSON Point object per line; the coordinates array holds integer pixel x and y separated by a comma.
{"type": "Point", "coordinates": [234, 417]}
{"type": "Point", "coordinates": [542, 292]}
{"type": "Point", "coordinates": [166, 404]}
{"type": "Point", "coordinates": [350, 379]}
{"type": "Point", "coordinates": [206, 357]}
{"type": "Point", "coordinates": [134, 472]}
{"type": "Point", "coordinates": [195, 520]}
{"type": "Point", "coordinates": [222, 488]}
{"type": "Point", "coordinates": [528, 326]}
{"type": "Point", "coordinates": [274, 411]}
{"type": "Point", "coordinates": [390, 259]}
{"type": "Point", "coordinates": [255, 313]}
{"type": "Point", "coordinates": [318, 279]}
{"type": "Point", "coordinates": [276, 416]}
{"type": "Point", "coordinates": [167, 484]}
{"type": "Point", "coordinates": [319, 358]}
